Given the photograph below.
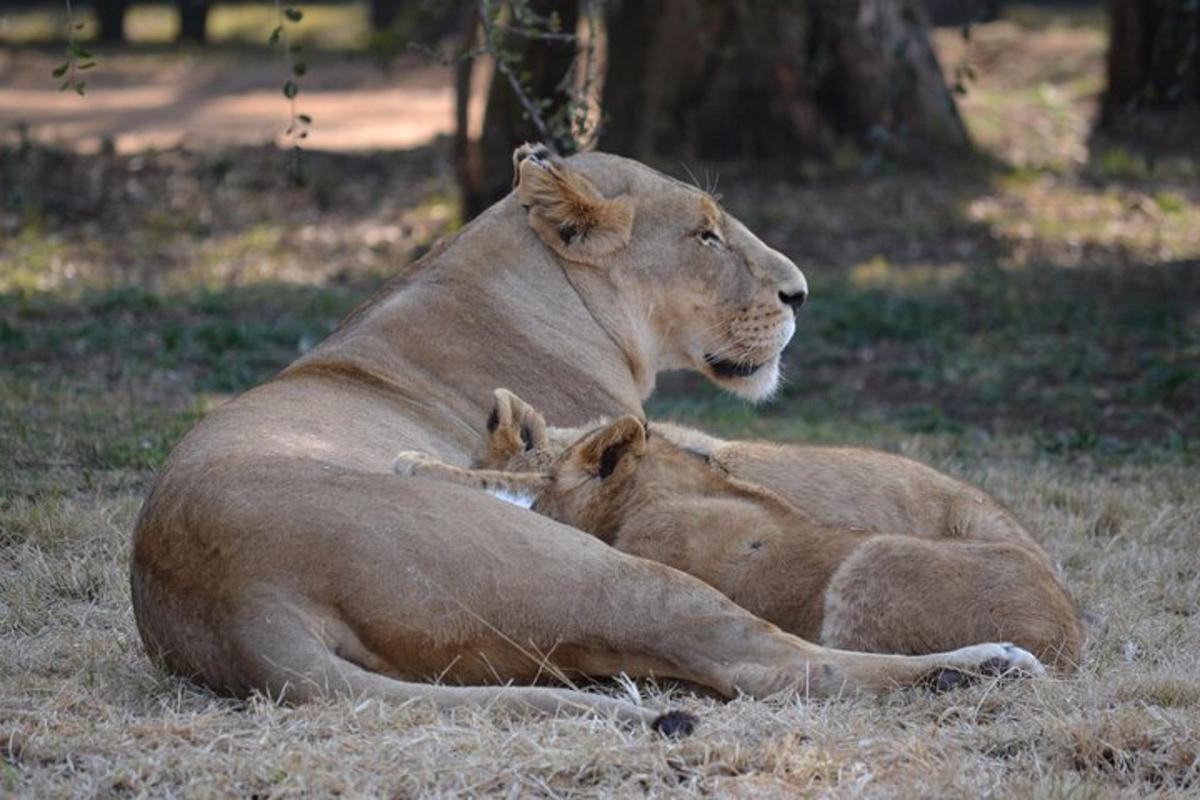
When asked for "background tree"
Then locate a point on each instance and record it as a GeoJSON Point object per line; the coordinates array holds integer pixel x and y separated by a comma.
{"type": "Point", "coordinates": [110, 14]}
{"type": "Point", "coordinates": [533, 44]}
{"type": "Point", "coordinates": [383, 13]}
{"type": "Point", "coordinates": [755, 78]}
{"type": "Point", "coordinates": [193, 21]}
{"type": "Point", "coordinates": [1153, 88]}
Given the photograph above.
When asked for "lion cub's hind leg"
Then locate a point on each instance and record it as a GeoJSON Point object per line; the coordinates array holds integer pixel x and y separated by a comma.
{"type": "Point", "coordinates": [519, 488]}
{"type": "Point", "coordinates": [899, 594]}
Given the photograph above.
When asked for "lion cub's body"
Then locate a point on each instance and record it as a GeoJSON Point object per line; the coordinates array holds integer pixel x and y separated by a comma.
{"type": "Point", "coordinates": [867, 572]}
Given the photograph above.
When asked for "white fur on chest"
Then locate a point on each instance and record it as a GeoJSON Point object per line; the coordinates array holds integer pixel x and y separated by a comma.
{"type": "Point", "coordinates": [522, 500]}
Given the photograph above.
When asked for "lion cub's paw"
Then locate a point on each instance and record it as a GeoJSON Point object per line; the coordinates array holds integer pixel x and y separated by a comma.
{"type": "Point", "coordinates": [409, 462]}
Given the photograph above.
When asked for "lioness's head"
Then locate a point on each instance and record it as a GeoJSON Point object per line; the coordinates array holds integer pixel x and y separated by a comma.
{"type": "Point", "coordinates": [704, 291]}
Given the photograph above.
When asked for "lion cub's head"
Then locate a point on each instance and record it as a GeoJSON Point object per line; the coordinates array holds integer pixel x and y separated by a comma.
{"type": "Point", "coordinates": [621, 471]}
{"type": "Point", "coordinates": [614, 470]}
{"type": "Point", "coordinates": [697, 288]}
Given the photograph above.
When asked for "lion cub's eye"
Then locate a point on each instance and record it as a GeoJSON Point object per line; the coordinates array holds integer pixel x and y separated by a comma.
{"type": "Point", "coordinates": [710, 237]}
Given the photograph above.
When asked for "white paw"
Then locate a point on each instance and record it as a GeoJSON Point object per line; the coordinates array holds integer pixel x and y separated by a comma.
{"type": "Point", "coordinates": [997, 658]}
{"type": "Point", "coordinates": [407, 461]}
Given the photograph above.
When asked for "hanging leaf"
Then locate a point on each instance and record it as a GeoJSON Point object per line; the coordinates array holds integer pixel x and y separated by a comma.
{"type": "Point", "coordinates": [294, 14]}
{"type": "Point", "coordinates": [290, 90]}
{"type": "Point", "coordinates": [273, 39]}
{"type": "Point", "coordinates": [299, 68]}
{"type": "Point", "coordinates": [61, 69]}
{"type": "Point", "coordinates": [306, 119]}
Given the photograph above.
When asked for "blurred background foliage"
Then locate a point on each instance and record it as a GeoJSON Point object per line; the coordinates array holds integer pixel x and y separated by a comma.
{"type": "Point", "coordinates": [997, 204]}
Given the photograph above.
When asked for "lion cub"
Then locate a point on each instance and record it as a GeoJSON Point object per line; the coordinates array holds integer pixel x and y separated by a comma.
{"type": "Point", "coordinates": [842, 587]}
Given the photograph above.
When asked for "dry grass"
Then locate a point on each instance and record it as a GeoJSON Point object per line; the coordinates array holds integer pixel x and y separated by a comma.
{"type": "Point", "coordinates": [82, 713]}
{"type": "Point", "coordinates": [1031, 328]}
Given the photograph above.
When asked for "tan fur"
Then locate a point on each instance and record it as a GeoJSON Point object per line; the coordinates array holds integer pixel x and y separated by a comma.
{"type": "Point", "coordinates": [850, 487]}
{"type": "Point", "coordinates": [278, 552]}
{"type": "Point", "coordinates": [854, 587]}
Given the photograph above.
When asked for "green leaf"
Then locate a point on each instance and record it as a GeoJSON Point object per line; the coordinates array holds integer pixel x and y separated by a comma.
{"type": "Point", "coordinates": [64, 85]}
{"type": "Point", "coordinates": [61, 69]}
{"type": "Point", "coordinates": [290, 89]}
{"type": "Point", "coordinates": [294, 14]}
{"type": "Point", "coordinates": [273, 39]}
{"type": "Point", "coordinates": [79, 51]}
{"type": "Point", "coordinates": [86, 65]}
{"type": "Point", "coordinates": [81, 88]}
{"type": "Point", "coordinates": [299, 68]}
{"type": "Point", "coordinates": [306, 119]}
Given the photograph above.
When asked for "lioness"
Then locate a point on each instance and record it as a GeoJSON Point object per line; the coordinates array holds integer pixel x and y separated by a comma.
{"type": "Point", "coordinates": [846, 587]}
{"type": "Point", "coordinates": [278, 551]}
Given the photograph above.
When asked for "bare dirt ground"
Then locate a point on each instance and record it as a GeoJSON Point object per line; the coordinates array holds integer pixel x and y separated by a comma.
{"type": "Point", "coordinates": [1030, 324]}
{"type": "Point", "coordinates": [136, 102]}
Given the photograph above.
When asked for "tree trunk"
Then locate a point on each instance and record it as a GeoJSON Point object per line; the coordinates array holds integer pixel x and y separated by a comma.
{"type": "Point", "coordinates": [961, 12]}
{"type": "Point", "coordinates": [505, 127]}
{"type": "Point", "coordinates": [383, 14]}
{"type": "Point", "coordinates": [193, 21]}
{"type": "Point", "coordinates": [757, 78]}
{"type": "Point", "coordinates": [1153, 91]}
{"type": "Point", "coordinates": [111, 16]}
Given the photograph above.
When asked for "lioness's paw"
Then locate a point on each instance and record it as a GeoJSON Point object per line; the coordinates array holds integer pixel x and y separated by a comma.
{"type": "Point", "coordinates": [970, 663]}
{"type": "Point", "coordinates": [997, 659]}
{"type": "Point", "coordinates": [409, 461]}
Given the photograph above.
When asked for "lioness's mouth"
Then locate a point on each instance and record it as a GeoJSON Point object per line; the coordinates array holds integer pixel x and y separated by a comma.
{"type": "Point", "coordinates": [730, 369]}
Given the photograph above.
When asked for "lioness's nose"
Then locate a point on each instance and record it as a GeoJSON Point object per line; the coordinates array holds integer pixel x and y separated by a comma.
{"type": "Point", "coordinates": [793, 290]}
{"type": "Point", "coordinates": [794, 299]}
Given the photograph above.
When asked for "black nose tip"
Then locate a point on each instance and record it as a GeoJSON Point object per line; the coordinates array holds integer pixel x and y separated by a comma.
{"type": "Point", "coordinates": [795, 300]}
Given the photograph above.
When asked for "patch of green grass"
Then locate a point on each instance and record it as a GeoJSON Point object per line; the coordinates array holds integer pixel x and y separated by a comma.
{"type": "Point", "coordinates": [97, 392]}
{"type": "Point", "coordinates": [61, 437]}
{"type": "Point", "coordinates": [1099, 360]}
{"type": "Point", "coordinates": [252, 330]}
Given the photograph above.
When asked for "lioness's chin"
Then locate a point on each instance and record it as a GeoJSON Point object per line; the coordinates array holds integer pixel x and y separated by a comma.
{"type": "Point", "coordinates": [755, 387]}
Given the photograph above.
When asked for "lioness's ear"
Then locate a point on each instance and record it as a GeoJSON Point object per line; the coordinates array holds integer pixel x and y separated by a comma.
{"type": "Point", "coordinates": [566, 210]}
{"type": "Point", "coordinates": [622, 440]}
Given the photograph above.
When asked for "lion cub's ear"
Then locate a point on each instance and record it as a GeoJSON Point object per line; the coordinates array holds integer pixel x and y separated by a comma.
{"type": "Point", "coordinates": [514, 427]}
{"type": "Point", "coordinates": [566, 210]}
{"type": "Point", "coordinates": [621, 443]}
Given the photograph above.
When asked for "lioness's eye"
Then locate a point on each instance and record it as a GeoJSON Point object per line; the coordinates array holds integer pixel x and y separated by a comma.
{"type": "Point", "coordinates": [710, 237]}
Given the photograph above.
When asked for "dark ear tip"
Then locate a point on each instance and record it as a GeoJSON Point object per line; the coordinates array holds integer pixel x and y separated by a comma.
{"type": "Point", "coordinates": [493, 421]}
{"type": "Point", "coordinates": [537, 152]}
{"type": "Point", "coordinates": [675, 724]}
